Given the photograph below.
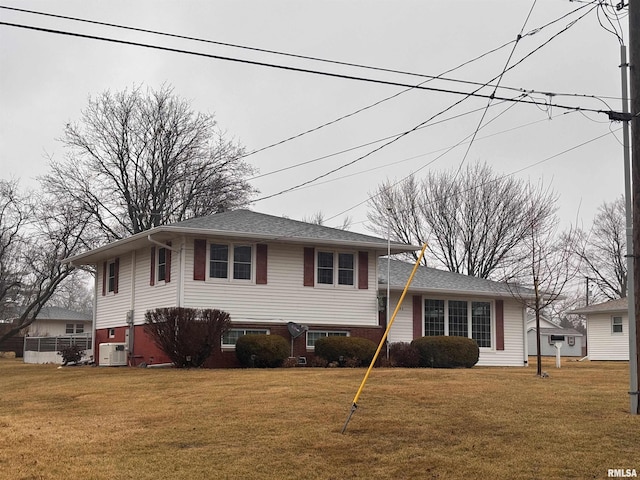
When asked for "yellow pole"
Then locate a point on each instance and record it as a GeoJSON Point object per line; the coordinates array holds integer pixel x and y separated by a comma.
{"type": "Point", "coordinates": [386, 333]}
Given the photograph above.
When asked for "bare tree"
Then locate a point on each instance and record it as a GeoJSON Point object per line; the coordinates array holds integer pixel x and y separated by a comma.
{"type": "Point", "coordinates": [36, 236]}
{"type": "Point", "coordinates": [474, 221]}
{"type": "Point", "coordinates": [547, 269]}
{"type": "Point", "coordinates": [318, 219]}
{"type": "Point", "coordinates": [141, 159]}
{"type": "Point", "coordinates": [602, 251]}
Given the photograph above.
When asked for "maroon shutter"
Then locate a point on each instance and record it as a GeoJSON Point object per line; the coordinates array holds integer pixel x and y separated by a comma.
{"type": "Point", "coordinates": [116, 275]}
{"type": "Point", "coordinates": [167, 268]}
{"type": "Point", "coordinates": [261, 264]}
{"type": "Point", "coordinates": [499, 325]}
{"type": "Point", "coordinates": [104, 278]}
{"type": "Point", "coordinates": [199, 259]}
{"type": "Point", "coordinates": [417, 316]}
{"type": "Point", "coordinates": [152, 276]}
{"type": "Point", "coordinates": [309, 276]}
{"type": "Point", "coordinates": [363, 270]}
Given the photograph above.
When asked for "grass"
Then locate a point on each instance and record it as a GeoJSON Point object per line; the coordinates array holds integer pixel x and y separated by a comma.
{"type": "Point", "coordinates": [489, 423]}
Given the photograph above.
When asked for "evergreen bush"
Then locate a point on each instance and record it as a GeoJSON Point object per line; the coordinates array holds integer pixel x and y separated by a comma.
{"type": "Point", "coordinates": [403, 354]}
{"type": "Point", "coordinates": [351, 351]}
{"type": "Point", "coordinates": [262, 351]}
{"type": "Point", "coordinates": [447, 352]}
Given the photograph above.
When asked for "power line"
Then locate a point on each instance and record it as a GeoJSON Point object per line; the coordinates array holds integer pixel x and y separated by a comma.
{"type": "Point", "coordinates": [293, 69]}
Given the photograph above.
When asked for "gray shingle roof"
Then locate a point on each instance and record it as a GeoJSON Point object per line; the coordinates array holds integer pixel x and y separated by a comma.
{"type": "Point", "coordinates": [433, 280]}
{"type": "Point", "coordinates": [560, 331]}
{"type": "Point", "coordinates": [59, 313]}
{"type": "Point", "coordinates": [619, 305]}
{"type": "Point", "coordinates": [245, 222]}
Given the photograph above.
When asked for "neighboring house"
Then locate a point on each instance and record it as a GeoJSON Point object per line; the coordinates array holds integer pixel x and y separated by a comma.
{"type": "Point", "coordinates": [439, 302]}
{"type": "Point", "coordinates": [550, 333]}
{"type": "Point", "coordinates": [55, 328]}
{"type": "Point", "coordinates": [607, 329]}
{"type": "Point", "coordinates": [57, 322]}
{"type": "Point", "coordinates": [267, 271]}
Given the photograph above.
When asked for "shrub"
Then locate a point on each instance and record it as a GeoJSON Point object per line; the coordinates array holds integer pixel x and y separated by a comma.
{"type": "Point", "coordinates": [262, 351]}
{"type": "Point", "coordinates": [404, 354]}
{"type": "Point", "coordinates": [71, 354]}
{"type": "Point", "coordinates": [351, 351]}
{"type": "Point", "coordinates": [447, 352]}
{"type": "Point", "coordinates": [187, 336]}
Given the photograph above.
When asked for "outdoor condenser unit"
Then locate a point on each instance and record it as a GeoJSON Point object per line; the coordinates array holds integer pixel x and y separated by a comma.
{"type": "Point", "coordinates": [112, 355]}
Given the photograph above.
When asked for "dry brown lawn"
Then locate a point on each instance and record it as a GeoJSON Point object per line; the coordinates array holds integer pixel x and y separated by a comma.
{"type": "Point", "coordinates": [484, 423]}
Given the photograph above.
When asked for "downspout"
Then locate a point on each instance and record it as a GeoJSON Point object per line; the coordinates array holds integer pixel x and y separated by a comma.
{"type": "Point", "coordinates": [526, 339]}
{"type": "Point", "coordinates": [132, 311]}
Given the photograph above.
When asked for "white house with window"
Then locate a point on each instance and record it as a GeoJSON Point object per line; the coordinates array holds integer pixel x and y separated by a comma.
{"type": "Point", "coordinates": [445, 303]}
{"type": "Point", "coordinates": [272, 273]}
{"type": "Point", "coordinates": [53, 329]}
{"type": "Point", "coordinates": [607, 329]}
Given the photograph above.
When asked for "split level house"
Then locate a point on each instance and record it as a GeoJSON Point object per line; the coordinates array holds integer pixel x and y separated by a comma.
{"type": "Point", "coordinates": [269, 272]}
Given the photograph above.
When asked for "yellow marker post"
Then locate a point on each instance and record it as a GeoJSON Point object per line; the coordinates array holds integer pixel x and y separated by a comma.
{"type": "Point", "coordinates": [354, 406]}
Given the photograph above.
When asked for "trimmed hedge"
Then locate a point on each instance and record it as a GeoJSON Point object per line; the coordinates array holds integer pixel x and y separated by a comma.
{"type": "Point", "coordinates": [262, 351]}
{"type": "Point", "coordinates": [355, 351]}
{"type": "Point", "coordinates": [447, 352]}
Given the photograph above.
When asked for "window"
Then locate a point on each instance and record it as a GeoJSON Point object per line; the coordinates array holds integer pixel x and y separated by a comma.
{"type": "Point", "coordinates": [219, 261]}
{"type": "Point", "coordinates": [571, 341]}
{"type": "Point", "coordinates": [111, 277]}
{"type": "Point", "coordinates": [458, 319]}
{"type": "Point", "coordinates": [162, 264]}
{"type": "Point", "coordinates": [616, 325]}
{"type": "Point", "coordinates": [481, 323]}
{"type": "Point", "coordinates": [451, 317]}
{"type": "Point", "coordinates": [112, 333]}
{"type": "Point", "coordinates": [329, 263]}
{"type": "Point", "coordinates": [69, 328]}
{"type": "Point", "coordinates": [242, 262]}
{"type": "Point", "coordinates": [79, 328]}
{"type": "Point", "coordinates": [345, 269]}
{"type": "Point", "coordinates": [239, 257]}
{"type": "Point", "coordinates": [312, 337]}
{"type": "Point", "coordinates": [325, 268]}
{"type": "Point", "coordinates": [433, 317]}
{"type": "Point", "coordinates": [230, 338]}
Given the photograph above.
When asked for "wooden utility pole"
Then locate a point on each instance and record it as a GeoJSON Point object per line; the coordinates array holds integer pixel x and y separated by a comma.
{"type": "Point", "coordinates": [634, 84]}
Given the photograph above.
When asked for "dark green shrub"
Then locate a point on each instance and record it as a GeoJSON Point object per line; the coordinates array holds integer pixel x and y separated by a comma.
{"type": "Point", "coordinates": [404, 354]}
{"type": "Point", "coordinates": [351, 351]}
{"type": "Point", "coordinates": [262, 351]}
{"type": "Point", "coordinates": [447, 352]}
{"type": "Point", "coordinates": [71, 354]}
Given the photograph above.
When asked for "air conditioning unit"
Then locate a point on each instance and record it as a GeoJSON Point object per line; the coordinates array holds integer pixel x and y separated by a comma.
{"type": "Point", "coordinates": [112, 355]}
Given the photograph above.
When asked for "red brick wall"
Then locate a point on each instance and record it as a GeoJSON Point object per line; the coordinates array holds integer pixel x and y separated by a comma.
{"type": "Point", "coordinates": [145, 350]}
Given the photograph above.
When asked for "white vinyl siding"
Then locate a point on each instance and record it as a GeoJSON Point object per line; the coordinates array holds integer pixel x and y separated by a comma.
{"type": "Point", "coordinates": [514, 338]}
{"type": "Point", "coordinates": [284, 298]}
{"type": "Point", "coordinates": [603, 343]}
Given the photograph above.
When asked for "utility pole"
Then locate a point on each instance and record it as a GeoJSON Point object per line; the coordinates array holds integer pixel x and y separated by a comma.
{"type": "Point", "coordinates": [634, 84]}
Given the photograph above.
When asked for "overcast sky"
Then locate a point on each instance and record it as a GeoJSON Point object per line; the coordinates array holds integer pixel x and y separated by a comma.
{"type": "Point", "coordinates": [46, 80]}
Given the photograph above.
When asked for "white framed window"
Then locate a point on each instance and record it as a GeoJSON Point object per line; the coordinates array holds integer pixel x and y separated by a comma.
{"type": "Point", "coordinates": [161, 270]}
{"type": "Point", "coordinates": [71, 328]}
{"type": "Point", "coordinates": [111, 276]}
{"type": "Point", "coordinates": [616, 325]}
{"type": "Point", "coordinates": [314, 335]}
{"type": "Point", "coordinates": [571, 341]}
{"type": "Point", "coordinates": [111, 333]}
{"type": "Point", "coordinates": [231, 261]}
{"type": "Point", "coordinates": [335, 268]}
{"type": "Point", "coordinates": [230, 337]}
{"type": "Point", "coordinates": [463, 318]}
